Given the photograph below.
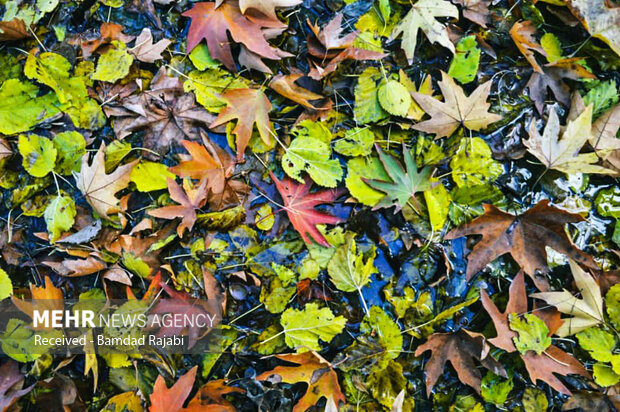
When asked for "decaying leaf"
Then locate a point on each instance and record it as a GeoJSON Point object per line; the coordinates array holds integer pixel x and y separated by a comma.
{"type": "Point", "coordinates": [147, 51]}
{"type": "Point", "coordinates": [524, 236]}
{"type": "Point", "coordinates": [523, 35]}
{"type": "Point", "coordinates": [600, 18]}
{"type": "Point", "coordinates": [190, 199]}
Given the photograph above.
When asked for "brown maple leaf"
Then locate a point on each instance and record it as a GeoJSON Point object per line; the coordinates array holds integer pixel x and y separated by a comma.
{"type": "Point", "coordinates": [214, 24]}
{"type": "Point", "coordinates": [165, 112]}
{"type": "Point", "coordinates": [164, 399]}
{"type": "Point", "coordinates": [266, 8]}
{"type": "Point", "coordinates": [189, 198]}
{"type": "Point", "coordinates": [456, 109]}
{"type": "Point", "coordinates": [553, 359]}
{"type": "Point", "coordinates": [299, 205]}
{"type": "Point", "coordinates": [461, 349]}
{"type": "Point", "coordinates": [524, 236]}
{"type": "Point", "coordinates": [286, 85]}
{"type": "Point", "coordinates": [522, 34]}
{"type": "Point", "coordinates": [90, 42]}
{"type": "Point", "coordinates": [147, 51]}
{"type": "Point", "coordinates": [313, 370]}
{"type": "Point", "coordinates": [551, 77]}
{"type": "Point", "coordinates": [249, 107]}
{"type": "Point", "coordinates": [98, 187]}
{"type": "Point", "coordinates": [330, 49]}
{"type": "Point", "coordinates": [476, 11]}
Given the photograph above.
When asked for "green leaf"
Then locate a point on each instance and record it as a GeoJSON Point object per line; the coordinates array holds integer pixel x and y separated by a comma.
{"type": "Point", "coordinates": [552, 47]}
{"type": "Point", "coordinates": [59, 216]}
{"type": "Point", "coordinates": [6, 286]}
{"type": "Point", "coordinates": [71, 147]}
{"type": "Point", "coordinates": [495, 389]}
{"type": "Point", "coordinates": [356, 142]}
{"type": "Point", "coordinates": [534, 400]}
{"type": "Point", "coordinates": [604, 375]}
{"type": "Point", "coordinates": [114, 64]}
{"type": "Point", "coordinates": [599, 343]}
{"type": "Point", "coordinates": [533, 333]}
{"type": "Point", "coordinates": [201, 58]}
{"type": "Point", "coordinates": [312, 156]}
{"type": "Point", "coordinates": [405, 182]}
{"type": "Point", "coordinates": [367, 108]}
{"type": "Point", "coordinates": [136, 265]}
{"type": "Point", "coordinates": [602, 96]}
{"type": "Point", "coordinates": [612, 302]}
{"type": "Point", "coordinates": [150, 176]}
{"type": "Point", "coordinates": [39, 154]}
{"type": "Point", "coordinates": [364, 168]}
{"type": "Point", "coordinates": [348, 270]}
{"type": "Point", "coordinates": [21, 109]}
{"type": "Point", "coordinates": [275, 295]}
{"type": "Point", "coordinates": [304, 328]}
{"type": "Point", "coordinates": [286, 275]}
{"type": "Point", "coordinates": [464, 65]}
{"type": "Point", "coordinates": [386, 384]}
{"type": "Point", "coordinates": [378, 323]}
{"type": "Point", "coordinates": [394, 98]}
{"type": "Point", "coordinates": [473, 165]}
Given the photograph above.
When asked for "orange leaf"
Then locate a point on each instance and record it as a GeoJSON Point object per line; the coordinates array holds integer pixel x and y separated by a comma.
{"type": "Point", "coordinates": [523, 35]}
{"type": "Point", "coordinates": [190, 199]}
{"type": "Point", "coordinates": [164, 399]}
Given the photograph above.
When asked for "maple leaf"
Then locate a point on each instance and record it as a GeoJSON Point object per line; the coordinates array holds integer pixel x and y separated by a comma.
{"type": "Point", "coordinates": [331, 49]}
{"type": "Point", "coordinates": [249, 107]}
{"type": "Point", "coordinates": [422, 16]}
{"type": "Point", "coordinates": [205, 162]}
{"type": "Point", "coordinates": [190, 199]}
{"type": "Point", "coordinates": [299, 205]}
{"type": "Point", "coordinates": [586, 312]}
{"type": "Point", "coordinates": [461, 349]}
{"type": "Point", "coordinates": [522, 34]}
{"type": "Point", "coordinates": [313, 370]}
{"type": "Point", "coordinates": [147, 51]}
{"type": "Point", "coordinates": [214, 24]}
{"type": "Point", "coordinates": [524, 236]}
{"type": "Point", "coordinates": [108, 33]}
{"type": "Point", "coordinates": [98, 187]}
{"type": "Point", "coordinates": [165, 112]}
{"type": "Point", "coordinates": [164, 399]}
{"type": "Point", "coordinates": [476, 11]}
{"type": "Point", "coordinates": [456, 110]}
{"type": "Point", "coordinates": [286, 86]}
{"type": "Point", "coordinates": [406, 182]}
{"type": "Point", "coordinates": [563, 154]}
{"type": "Point", "coordinates": [45, 297]}
{"type": "Point", "coordinates": [553, 360]}
{"type": "Point", "coordinates": [600, 18]}
{"type": "Point", "coordinates": [551, 78]}
{"type": "Point", "coordinates": [76, 267]}
{"type": "Point", "coordinates": [266, 7]}
{"type": "Point", "coordinates": [210, 397]}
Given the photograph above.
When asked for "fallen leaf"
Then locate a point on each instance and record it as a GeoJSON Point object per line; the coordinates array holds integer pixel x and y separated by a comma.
{"type": "Point", "coordinates": [214, 24]}
{"type": "Point", "coordinates": [313, 370]}
{"type": "Point", "coordinates": [108, 33]}
{"type": "Point", "coordinates": [98, 187]}
{"type": "Point", "coordinates": [205, 162]}
{"type": "Point", "coordinates": [266, 7]}
{"type": "Point", "coordinates": [552, 361]}
{"type": "Point", "coordinates": [210, 397]}
{"type": "Point", "coordinates": [406, 182]}
{"type": "Point", "coordinates": [147, 51]}
{"type": "Point", "coordinates": [476, 11]}
{"type": "Point", "coordinates": [524, 236]}
{"type": "Point", "coordinates": [13, 30]}
{"type": "Point", "coordinates": [11, 383]}
{"type": "Point", "coordinates": [164, 399]}
{"type": "Point", "coordinates": [299, 205]}
{"type": "Point", "coordinates": [45, 297]}
{"type": "Point", "coordinates": [563, 153]}
{"type": "Point", "coordinates": [190, 199]}
{"type": "Point", "coordinates": [600, 18]}
{"type": "Point", "coordinates": [460, 349]}
{"type": "Point", "coordinates": [456, 109]}
{"type": "Point", "coordinates": [422, 16]}
{"type": "Point", "coordinates": [286, 86]}
{"type": "Point", "coordinates": [551, 78]}
{"type": "Point", "coordinates": [165, 112]}
{"type": "Point", "coordinates": [76, 267]}
{"type": "Point", "coordinates": [522, 34]}
{"type": "Point", "coordinates": [249, 107]}
{"type": "Point", "coordinates": [585, 312]}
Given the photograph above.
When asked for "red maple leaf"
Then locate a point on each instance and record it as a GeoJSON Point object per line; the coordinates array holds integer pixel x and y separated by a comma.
{"type": "Point", "coordinates": [299, 204]}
